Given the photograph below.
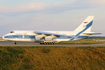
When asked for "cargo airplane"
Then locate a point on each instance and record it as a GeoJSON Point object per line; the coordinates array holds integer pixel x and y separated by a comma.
{"type": "Point", "coordinates": [51, 37]}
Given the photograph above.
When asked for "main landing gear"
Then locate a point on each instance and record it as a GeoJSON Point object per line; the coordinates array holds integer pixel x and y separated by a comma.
{"type": "Point", "coordinates": [48, 43]}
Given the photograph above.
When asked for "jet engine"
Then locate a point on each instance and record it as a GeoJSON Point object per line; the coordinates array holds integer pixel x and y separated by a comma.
{"type": "Point", "coordinates": [49, 38]}
{"type": "Point", "coordinates": [39, 37]}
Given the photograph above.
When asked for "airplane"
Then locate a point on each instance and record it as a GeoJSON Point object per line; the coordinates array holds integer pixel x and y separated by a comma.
{"type": "Point", "coordinates": [51, 37]}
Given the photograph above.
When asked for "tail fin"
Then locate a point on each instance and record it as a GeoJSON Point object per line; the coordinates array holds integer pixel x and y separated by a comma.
{"type": "Point", "coordinates": [87, 23]}
{"type": "Point", "coordinates": [84, 27]}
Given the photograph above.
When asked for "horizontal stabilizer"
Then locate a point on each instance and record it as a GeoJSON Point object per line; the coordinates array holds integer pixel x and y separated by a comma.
{"type": "Point", "coordinates": [91, 33]}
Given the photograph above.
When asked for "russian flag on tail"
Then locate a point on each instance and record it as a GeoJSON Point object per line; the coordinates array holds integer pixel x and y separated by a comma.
{"type": "Point", "coordinates": [85, 22]}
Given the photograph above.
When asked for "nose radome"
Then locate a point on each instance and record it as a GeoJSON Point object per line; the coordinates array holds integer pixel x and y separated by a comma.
{"type": "Point", "coordinates": [3, 37]}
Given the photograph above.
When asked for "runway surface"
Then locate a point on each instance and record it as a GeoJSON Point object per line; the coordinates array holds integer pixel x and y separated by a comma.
{"type": "Point", "coordinates": [29, 44]}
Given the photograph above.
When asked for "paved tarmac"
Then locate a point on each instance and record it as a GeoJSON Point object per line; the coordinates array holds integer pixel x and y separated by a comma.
{"type": "Point", "coordinates": [29, 44]}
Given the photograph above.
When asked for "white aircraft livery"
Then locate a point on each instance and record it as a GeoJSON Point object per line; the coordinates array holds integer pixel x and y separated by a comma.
{"type": "Point", "coordinates": [51, 37]}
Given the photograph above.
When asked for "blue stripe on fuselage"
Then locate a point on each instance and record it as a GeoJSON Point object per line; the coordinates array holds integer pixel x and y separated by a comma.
{"type": "Point", "coordinates": [63, 37]}
{"type": "Point", "coordinates": [33, 36]}
{"type": "Point", "coordinates": [20, 36]}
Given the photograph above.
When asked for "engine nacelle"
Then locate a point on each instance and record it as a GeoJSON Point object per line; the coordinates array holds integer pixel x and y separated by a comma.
{"type": "Point", "coordinates": [39, 37]}
{"type": "Point", "coordinates": [48, 38]}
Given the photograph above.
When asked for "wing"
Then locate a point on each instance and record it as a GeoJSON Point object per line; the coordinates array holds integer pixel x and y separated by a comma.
{"type": "Point", "coordinates": [49, 33]}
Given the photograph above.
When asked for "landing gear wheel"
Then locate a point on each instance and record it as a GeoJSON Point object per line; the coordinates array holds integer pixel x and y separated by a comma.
{"type": "Point", "coordinates": [15, 43]}
{"type": "Point", "coordinates": [53, 43]}
{"type": "Point", "coordinates": [46, 43]}
{"type": "Point", "coordinates": [40, 43]}
{"type": "Point", "coordinates": [50, 43]}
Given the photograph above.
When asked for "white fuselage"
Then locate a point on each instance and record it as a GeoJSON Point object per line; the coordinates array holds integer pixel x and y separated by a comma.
{"type": "Point", "coordinates": [30, 36]}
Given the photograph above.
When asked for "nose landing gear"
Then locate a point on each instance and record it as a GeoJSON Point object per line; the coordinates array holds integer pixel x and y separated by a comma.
{"type": "Point", "coordinates": [15, 43]}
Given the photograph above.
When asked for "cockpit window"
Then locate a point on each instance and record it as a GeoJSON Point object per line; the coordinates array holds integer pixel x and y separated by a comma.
{"type": "Point", "coordinates": [12, 32]}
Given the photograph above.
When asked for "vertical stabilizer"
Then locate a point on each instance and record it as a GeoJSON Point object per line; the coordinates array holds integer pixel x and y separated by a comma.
{"type": "Point", "coordinates": [86, 23]}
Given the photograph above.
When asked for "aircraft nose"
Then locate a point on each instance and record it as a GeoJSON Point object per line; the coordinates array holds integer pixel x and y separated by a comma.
{"type": "Point", "coordinates": [3, 37]}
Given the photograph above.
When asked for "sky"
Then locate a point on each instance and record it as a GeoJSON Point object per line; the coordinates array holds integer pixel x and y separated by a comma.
{"type": "Point", "coordinates": [54, 15]}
